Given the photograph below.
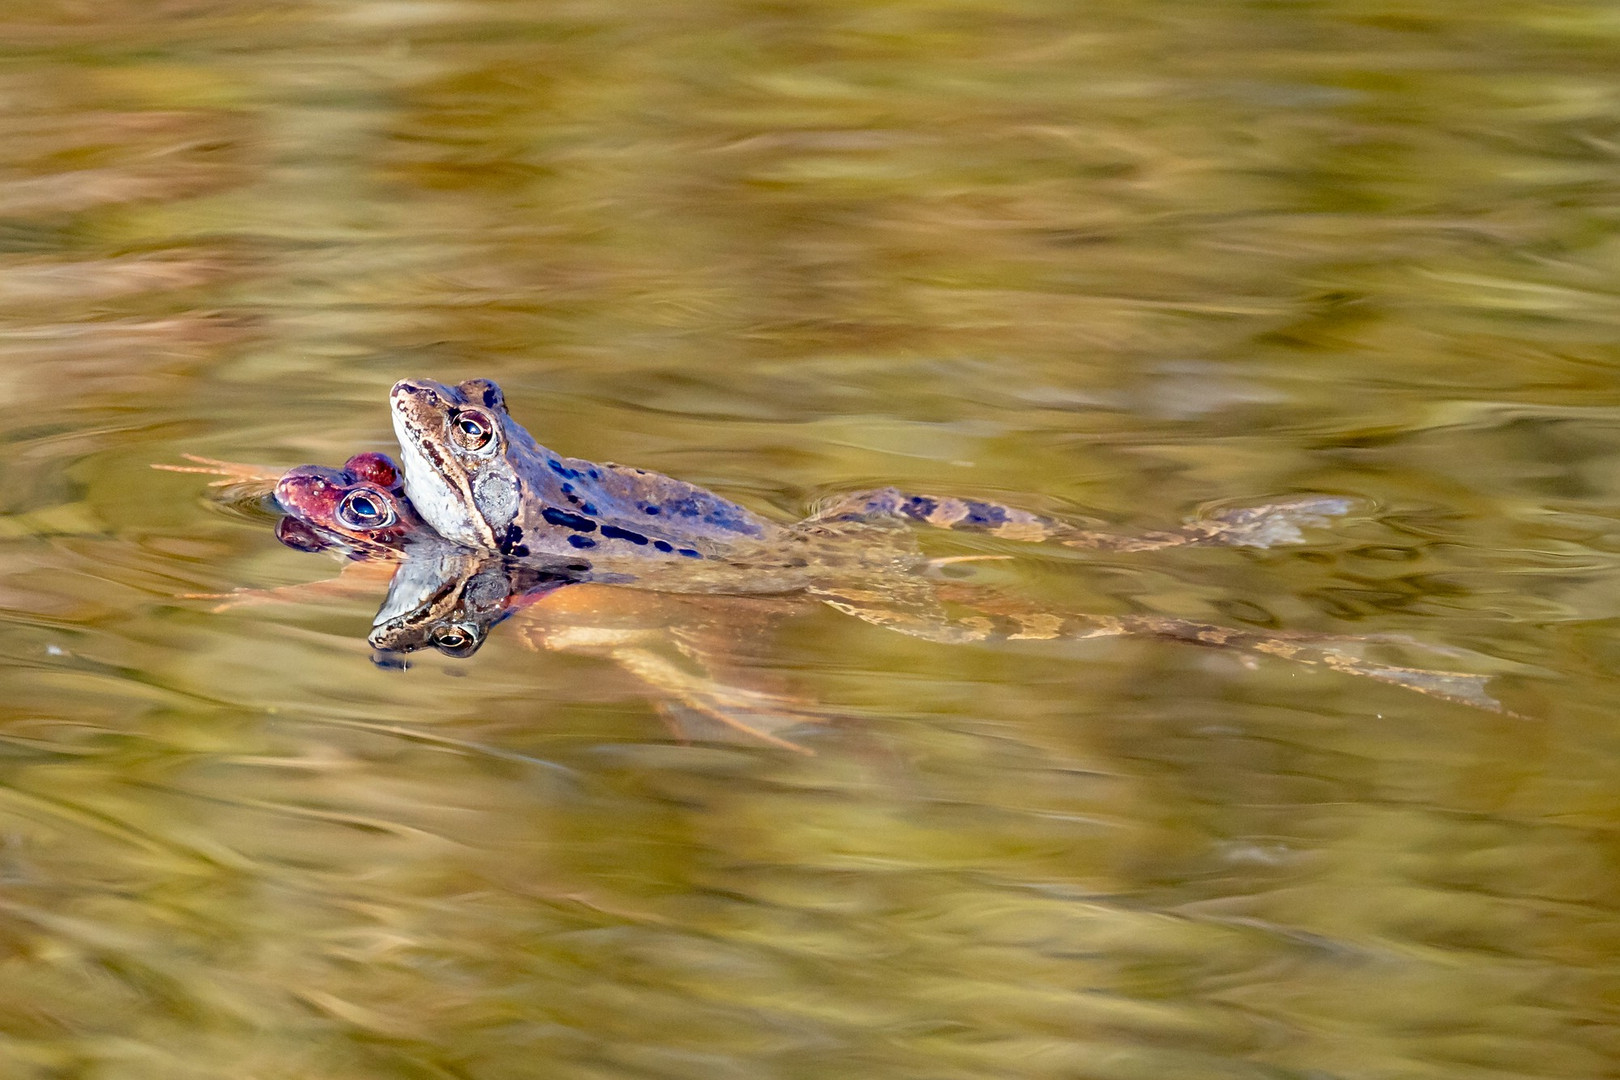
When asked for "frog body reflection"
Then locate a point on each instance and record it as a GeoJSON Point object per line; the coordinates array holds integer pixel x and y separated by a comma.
{"type": "Point", "coordinates": [673, 642]}
{"type": "Point", "coordinates": [448, 598]}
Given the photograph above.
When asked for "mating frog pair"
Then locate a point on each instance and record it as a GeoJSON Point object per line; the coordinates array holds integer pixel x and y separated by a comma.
{"type": "Point", "coordinates": [486, 522]}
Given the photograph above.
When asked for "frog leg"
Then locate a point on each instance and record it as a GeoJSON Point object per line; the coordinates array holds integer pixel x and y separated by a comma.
{"type": "Point", "coordinates": [914, 609]}
{"type": "Point", "coordinates": [1335, 653]}
{"type": "Point", "coordinates": [1266, 525]}
{"type": "Point", "coordinates": [1338, 652]}
{"type": "Point", "coordinates": [996, 618]}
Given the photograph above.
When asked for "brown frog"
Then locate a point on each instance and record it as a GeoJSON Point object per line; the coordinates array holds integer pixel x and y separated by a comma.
{"type": "Point", "coordinates": [479, 478]}
{"type": "Point", "coordinates": [482, 481]}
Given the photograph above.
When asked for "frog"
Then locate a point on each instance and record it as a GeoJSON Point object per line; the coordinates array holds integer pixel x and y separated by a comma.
{"type": "Point", "coordinates": [358, 507]}
{"type": "Point", "coordinates": [481, 480]}
{"type": "Point", "coordinates": [447, 598]}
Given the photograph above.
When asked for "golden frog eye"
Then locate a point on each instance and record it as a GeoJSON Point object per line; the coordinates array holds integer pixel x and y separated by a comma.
{"type": "Point", "coordinates": [362, 509]}
{"type": "Point", "coordinates": [454, 639]}
{"type": "Point", "coordinates": [471, 429]}
{"type": "Point", "coordinates": [451, 637]}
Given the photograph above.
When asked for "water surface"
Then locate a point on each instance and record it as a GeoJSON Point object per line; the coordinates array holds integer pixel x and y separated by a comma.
{"type": "Point", "coordinates": [1118, 261]}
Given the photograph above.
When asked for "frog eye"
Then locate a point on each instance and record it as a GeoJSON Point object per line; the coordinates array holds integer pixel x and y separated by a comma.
{"type": "Point", "coordinates": [455, 639]}
{"type": "Point", "coordinates": [471, 429]}
{"type": "Point", "coordinates": [365, 509]}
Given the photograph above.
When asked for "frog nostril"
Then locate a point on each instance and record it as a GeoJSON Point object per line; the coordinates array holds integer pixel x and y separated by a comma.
{"type": "Point", "coordinates": [407, 389]}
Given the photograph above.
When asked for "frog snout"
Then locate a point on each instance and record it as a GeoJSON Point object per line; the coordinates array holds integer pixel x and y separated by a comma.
{"type": "Point", "coordinates": [408, 388]}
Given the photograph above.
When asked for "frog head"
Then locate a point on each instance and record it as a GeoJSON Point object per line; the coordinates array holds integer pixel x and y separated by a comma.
{"type": "Point", "coordinates": [361, 506]}
{"type": "Point", "coordinates": [457, 445]}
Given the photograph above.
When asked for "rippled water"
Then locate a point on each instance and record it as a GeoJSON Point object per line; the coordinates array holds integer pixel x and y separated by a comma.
{"type": "Point", "coordinates": [1118, 260]}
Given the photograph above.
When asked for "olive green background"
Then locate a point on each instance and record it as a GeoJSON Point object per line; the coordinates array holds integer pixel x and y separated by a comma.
{"type": "Point", "coordinates": [1116, 259]}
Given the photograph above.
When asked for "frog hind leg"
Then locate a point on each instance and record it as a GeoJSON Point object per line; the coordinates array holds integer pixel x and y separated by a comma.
{"type": "Point", "coordinates": [1265, 525]}
{"type": "Point", "coordinates": [1012, 620]}
{"type": "Point", "coordinates": [920, 615]}
{"type": "Point", "coordinates": [997, 618]}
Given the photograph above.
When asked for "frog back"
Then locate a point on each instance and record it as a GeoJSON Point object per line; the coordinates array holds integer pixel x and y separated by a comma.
{"type": "Point", "coordinates": [624, 511]}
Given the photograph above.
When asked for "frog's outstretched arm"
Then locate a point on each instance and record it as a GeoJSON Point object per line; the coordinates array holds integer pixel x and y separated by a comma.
{"type": "Point", "coordinates": [357, 578]}
{"type": "Point", "coordinates": [232, 472]}
{"type": "Point", "coordinates": [645, 654]}
{"type": "Point", "coordinates": [752, 712]}
{"type": "Point", "coordinates": [1266, 525]}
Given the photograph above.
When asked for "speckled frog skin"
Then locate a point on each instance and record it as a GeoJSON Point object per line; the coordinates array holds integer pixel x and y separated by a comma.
{"type": "Point", "coordinates": [481, 480]}
{"type": "Point", "coordinates": [360, 506]}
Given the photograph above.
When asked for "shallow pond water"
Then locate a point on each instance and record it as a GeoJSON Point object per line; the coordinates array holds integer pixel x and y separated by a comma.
{"type": "Point", "coordinates": [1119, 261]}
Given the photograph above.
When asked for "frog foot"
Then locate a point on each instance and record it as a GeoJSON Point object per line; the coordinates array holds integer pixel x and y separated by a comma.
{"type": "Point", "coordinates": [1270, 524]}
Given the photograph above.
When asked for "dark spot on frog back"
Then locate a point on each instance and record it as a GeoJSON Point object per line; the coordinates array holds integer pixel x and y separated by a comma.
{"type": "Point", "coordinates": [568, 520]}
{"type": "Point", "coordinates": [715, 512]}
{"type": "Point", "coordinates": [982, 515]}
{"type": "Point", "coordinates": [918, 507]}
